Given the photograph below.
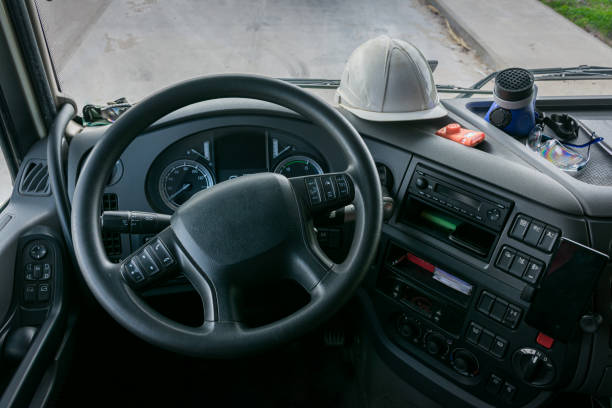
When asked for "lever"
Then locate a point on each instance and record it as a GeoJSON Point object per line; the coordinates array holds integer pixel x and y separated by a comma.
{"type": "Point", "coordinates": [133, 222]}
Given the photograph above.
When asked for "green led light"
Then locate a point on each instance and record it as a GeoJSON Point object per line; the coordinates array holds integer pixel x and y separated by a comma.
{"type": "Point", "coordinates": [441, 220]}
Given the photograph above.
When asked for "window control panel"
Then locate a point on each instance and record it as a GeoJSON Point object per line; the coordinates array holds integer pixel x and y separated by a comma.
{"type": "Point", "coordinates": [37, 268]}
{"type": "Point", "coordinates": [534, 233]}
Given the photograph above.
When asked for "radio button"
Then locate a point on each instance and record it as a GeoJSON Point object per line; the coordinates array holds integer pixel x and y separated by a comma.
{"type": "Point", "coordinates": [520, 227]}
{"type": "Point", "coordinates": [493, 214]}
{"type": "Point", "coordinates": [486, 303]}
{"type": "Point", "coordinates": [421, 183]}
{"type": "Point", "coordinates": [499, 310]}
{"type": "Point", "coordinates": [534, 232]}
{"type": "Point", "coordinates": [512, 317]}
{"type": "Point", "coordinates": [473, 333]}
{"type": "Point", "coordinates": [519, 265]}
{"type": "Point", "coordinates": [549, 239]}
{"type": "Point", "coordinates": [486, 340]}
{"type": "Point", "coordinates": [329, 188]}
{"type": "Point", "coordinates": [498, 349]}
{"type": "Point", "coordinates": [494, 384]}
{"type": "Point", "coordinates": [533, 271]}
{"type": "Point", "coordinates": [505, 259]}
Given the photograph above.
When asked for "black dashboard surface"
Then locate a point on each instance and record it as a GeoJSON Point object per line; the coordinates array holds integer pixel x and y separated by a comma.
{"type": "Point", "coordinates": [497, 170]}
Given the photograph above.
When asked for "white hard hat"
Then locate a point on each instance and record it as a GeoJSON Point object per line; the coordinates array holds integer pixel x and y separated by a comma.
{"type": "Point", "coordinates": [387, 79]}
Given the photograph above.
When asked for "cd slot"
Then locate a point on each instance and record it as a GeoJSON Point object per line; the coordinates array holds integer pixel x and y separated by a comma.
{"type": "Point", "coordinates": [448, 227]}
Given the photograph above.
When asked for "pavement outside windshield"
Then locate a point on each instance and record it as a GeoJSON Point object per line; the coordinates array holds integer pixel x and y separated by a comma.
{"type": "Point", "coordinates": [104, 50]}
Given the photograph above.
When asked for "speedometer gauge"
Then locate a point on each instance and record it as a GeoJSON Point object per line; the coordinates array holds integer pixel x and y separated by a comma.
{"type": "Point", "coordinates": [181, 180]}
{"type": "Point", "coordinates": [297, 166]}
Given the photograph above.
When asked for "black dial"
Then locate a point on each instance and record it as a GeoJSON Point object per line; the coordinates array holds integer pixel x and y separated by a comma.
{"type": "Point", "coordinates": [408, 327]}
{"type": "Point", "coordinates": [435, 344]}
{"type": "Point", "coordinates": [464, 362]}
{"type": "Point", "coordinates": [181, 180]}
{"type": "Point", "coordinates": [297, 166]}
{"type": "Point", "coordinates": [533, 366]}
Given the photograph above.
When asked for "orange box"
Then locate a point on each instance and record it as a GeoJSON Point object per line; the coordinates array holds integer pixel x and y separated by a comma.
{"type": "Point", "coordinates": [457, 134]}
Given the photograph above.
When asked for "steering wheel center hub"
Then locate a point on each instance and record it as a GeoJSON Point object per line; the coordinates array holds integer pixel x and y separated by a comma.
{"type": "Point", "coordinates": [238, 220]}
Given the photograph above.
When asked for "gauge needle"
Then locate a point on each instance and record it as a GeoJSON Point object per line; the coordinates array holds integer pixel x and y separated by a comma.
{"type": "Point", "coordinates": [198, 153]}
{"type": "Point", "coordinates": [283, 151]}
{"type": "Point", "coordinates": [185, 187]}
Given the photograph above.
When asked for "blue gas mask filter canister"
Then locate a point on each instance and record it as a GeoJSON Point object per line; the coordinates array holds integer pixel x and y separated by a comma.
{"type": "Point", "coordinates": [514, 97]}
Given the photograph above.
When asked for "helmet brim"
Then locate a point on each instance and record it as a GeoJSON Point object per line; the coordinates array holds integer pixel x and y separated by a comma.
{"type": "Point", "coordinates": [436, 112]}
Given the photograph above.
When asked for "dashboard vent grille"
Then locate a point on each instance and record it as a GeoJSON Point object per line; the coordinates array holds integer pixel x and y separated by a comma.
{"type": "Point", "coordinates": [112, 240]}
{"type": "Point", "coordinates": [35, 179]}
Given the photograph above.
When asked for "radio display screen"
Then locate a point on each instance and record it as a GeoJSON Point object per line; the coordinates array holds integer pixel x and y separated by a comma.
{"type": "Point", "coordinates": [449, 192]}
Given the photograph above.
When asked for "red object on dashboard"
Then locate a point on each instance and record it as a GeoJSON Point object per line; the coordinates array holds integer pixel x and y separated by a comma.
{"type": "Point", "coordinates": [456, 133]}
{"type": "Point", "coordinates": [544, 340]}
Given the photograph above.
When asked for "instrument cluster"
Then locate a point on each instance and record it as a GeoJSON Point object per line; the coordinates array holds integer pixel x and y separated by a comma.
{"type": "Point", "coordinates": [199, 161]}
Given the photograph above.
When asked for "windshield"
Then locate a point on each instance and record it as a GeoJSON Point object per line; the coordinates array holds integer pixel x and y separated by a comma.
{"type": "Point", "coordinates": [105, 50]}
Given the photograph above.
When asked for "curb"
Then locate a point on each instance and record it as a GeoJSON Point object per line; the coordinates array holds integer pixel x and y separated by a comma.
{"type": "Point", "coordinates": [460, 27]}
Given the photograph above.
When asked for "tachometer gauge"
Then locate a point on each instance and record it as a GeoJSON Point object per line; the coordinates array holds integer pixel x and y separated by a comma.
{"type": "Point", "coordinates": [297, 166]}
{"type": "Point", "coordinates": [181, 180]}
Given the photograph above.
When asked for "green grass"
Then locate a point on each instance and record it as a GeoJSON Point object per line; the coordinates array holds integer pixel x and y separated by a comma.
{"type": "Point", "coordinates": [593, 15]}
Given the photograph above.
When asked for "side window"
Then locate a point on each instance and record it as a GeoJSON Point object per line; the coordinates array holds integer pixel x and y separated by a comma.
{"type": "Point", "coordinates": [6, 183]}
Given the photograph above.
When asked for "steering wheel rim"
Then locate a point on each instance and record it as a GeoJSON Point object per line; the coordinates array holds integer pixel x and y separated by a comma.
{"type": "Point", "coordinates": [216, 337]}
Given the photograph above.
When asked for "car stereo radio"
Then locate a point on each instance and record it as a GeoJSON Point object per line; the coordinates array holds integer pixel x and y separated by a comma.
{"type": "Point", "coordinates": [437, 188]}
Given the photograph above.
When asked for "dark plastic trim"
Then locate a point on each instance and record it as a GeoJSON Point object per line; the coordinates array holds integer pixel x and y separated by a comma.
{"type": "Point", "coordinates": [18, 12]}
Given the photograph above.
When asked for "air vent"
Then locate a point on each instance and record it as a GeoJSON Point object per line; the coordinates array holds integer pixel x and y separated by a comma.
{"type": "Point", "coordinates": [112, 240]}
{"type": "Point", "coordinates": [35, 179]}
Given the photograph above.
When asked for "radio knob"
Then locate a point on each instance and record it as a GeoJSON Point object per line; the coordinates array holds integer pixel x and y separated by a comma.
{"type": "Point", "coordinates": [407, 327]}
{"type": "Point", "coordinates": [435, 344]}
{"type": "Point", "coordinates": [421, 183]}
{"type": "Point", "coordinates": [464, 362]}
{"type": "Point", "coordinates": [533, 366]}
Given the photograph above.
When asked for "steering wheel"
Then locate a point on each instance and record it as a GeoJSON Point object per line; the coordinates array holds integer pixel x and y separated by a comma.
{"type": "Point", "coordinates": [241, 232]}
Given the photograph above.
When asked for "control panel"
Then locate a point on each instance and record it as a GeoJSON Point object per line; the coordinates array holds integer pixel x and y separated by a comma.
{"type": "Point", "coordinates": [149, 263]}
{"type": "Point", "coordinates": [471, 333]}
{"type": "Point", "coordinates": [38, 265]}
{"type": "Point", "coordinates": [535, 233]}
{"type": "Point", "coordinates": [519, 264]}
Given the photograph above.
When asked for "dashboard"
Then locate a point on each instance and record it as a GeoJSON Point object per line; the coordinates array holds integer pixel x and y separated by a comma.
{"type": "Point", "coordinates": [471, 236]}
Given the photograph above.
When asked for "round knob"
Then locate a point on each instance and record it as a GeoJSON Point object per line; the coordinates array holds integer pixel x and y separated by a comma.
{"type": "Point", "coordinates": [453, 128]}
{"type": "Point", "coordinates": [408, 327]}
{"type": "Point", "coordinates": [493, 214]}
{"type": "Point", "coordinates": [533, 366]}
{"type": "Point", "coordinates": [435, 344]}
{"type": "Point", "coordinates": [421, 183]}
{"type": "Point", "coordinates": [500, 117]}
{"type": "Point", "coordinates": [38, 251]}
{"type": "Point", "coordinates": [464, 362]}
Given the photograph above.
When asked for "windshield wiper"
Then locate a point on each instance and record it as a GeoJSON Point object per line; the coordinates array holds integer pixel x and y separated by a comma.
{"type": "Point", "coordinates": [335, 83]}
{"type": "Point", "coordinates": [461, 90]}
{"type": "Point", "coordinates": [313, 82]}
{"type": "Point", "coordinates": [576, 73]}
{"type": "Point", "coordinates": [581, 72]}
